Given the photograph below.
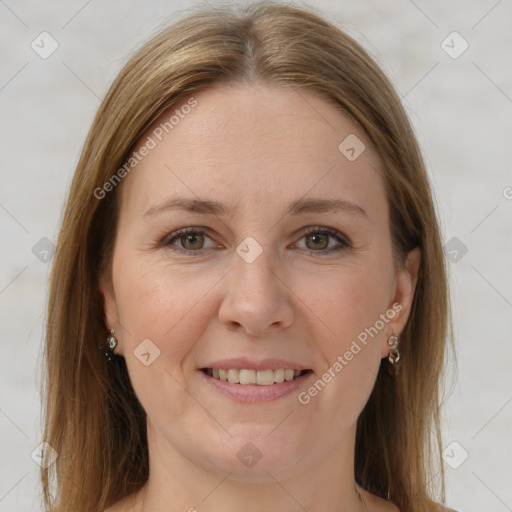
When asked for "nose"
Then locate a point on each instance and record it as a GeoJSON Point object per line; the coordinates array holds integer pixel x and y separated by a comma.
{"type": "Point", "coordinates": [256, 299]}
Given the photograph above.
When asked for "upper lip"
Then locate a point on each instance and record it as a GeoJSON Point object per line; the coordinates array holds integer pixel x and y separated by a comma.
{"type": "Point", "coordinates": [242, 363]}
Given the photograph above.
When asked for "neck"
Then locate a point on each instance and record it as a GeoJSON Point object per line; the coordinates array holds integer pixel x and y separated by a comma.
{"type": "Point", "coordinates": [176, 483]}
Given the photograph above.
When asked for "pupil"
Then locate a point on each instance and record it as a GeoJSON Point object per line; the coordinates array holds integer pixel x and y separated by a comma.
{"type": "Point", "coordinates": [190, 238]}
{"type": "Point", "coordinates": [317, 236]}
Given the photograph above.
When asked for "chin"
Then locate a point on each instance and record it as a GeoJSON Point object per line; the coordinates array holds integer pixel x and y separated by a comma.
{"type": "Point", "coordinates": [250, 458]}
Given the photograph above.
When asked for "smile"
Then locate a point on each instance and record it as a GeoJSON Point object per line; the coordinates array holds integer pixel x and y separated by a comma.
{"type": "Point", "coordinates": [253, 386]}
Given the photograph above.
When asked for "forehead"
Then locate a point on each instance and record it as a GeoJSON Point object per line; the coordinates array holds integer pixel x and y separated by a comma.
{"type": "Point", "coordinates": [254, 146]}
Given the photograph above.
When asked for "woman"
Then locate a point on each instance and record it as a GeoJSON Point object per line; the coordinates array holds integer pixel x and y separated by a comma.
{"type": "Point", "coordinates": [252, 230]}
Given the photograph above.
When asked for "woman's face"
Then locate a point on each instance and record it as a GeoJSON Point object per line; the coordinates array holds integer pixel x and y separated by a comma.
{"type": "Point", "coordinates": [266, 273]}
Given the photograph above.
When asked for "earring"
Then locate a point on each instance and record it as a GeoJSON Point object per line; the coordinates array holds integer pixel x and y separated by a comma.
{"type": "Point", "coordinates": [112, 344]}
{"type": "Point", "coordinates": [394, 354]}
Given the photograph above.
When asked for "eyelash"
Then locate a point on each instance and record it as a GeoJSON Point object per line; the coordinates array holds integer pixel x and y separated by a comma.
{"type": "Point", "coordinates": [176, 235]}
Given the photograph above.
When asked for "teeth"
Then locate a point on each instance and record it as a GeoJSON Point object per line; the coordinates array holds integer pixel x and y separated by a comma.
{"type": "Point", "coordinates": [259, 377]}
{"type": "Point", "coordinates": [289, 374]}
{"type": "Point", "coordinates": [279, 375]}
{"type": "Point", "coordinates": [234, 376]}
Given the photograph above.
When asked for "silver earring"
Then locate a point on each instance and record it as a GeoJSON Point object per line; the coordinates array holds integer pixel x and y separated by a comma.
{"type": "Point", "coordinates": [394, 354]}
{"type": "Point", "coordinates": [112, 341]}
{"type": "Point", "coordinates": [112, 344]}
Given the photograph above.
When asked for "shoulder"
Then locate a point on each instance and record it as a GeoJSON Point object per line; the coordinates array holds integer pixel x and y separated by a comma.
{"type": "Point", "coordinates": [375, 503]}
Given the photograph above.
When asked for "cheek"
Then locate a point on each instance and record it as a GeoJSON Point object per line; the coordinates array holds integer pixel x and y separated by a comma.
{"type": "Point", "coordinates": [349, 300]}
{"type": "Point", "coordinates": [166, 306]}
{"type": "Point", "coordinates": [160, 310]}
{"type": "Point", "coordinates": [349, 307]}
{"type": "Point", "coordinates": [157, 300]}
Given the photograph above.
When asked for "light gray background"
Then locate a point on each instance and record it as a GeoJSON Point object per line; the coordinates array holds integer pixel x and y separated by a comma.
{"type": "Point", "coordinates": [461, 109]}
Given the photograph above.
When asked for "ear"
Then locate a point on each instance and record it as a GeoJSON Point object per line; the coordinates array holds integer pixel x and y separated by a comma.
{"type": "Point", "coordinates": [110, 314]}
{"type": "Point", "coordinates": [405, 287]}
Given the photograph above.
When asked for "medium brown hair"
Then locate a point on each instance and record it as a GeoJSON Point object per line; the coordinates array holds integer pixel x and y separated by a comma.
{"type": "Point", "coordinates": [92, 416]}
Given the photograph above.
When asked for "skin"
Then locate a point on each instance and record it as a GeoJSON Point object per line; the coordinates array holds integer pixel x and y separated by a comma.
{"type": "Point", "coordinates": [256, 148]}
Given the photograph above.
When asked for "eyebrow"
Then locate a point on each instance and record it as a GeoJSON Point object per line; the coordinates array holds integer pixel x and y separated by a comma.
{"type": "Point", "coordinates": [297, 207]}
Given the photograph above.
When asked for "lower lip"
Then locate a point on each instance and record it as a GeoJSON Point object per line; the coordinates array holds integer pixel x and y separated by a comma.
{"type": "Point", "coordinates": [254, 393]}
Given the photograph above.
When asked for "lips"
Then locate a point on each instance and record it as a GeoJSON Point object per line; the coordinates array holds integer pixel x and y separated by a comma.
{"type": "Point", "coordinates": [255, 393]}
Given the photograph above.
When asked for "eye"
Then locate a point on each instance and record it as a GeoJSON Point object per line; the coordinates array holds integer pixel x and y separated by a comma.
{"type": "Point", "coordinates": [190, 239]}
{"type": "Point", "coordinates": [317, 241]}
